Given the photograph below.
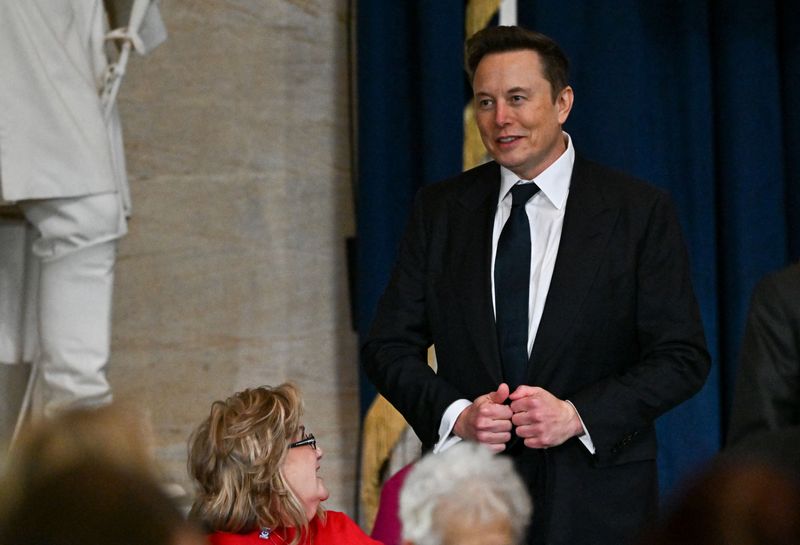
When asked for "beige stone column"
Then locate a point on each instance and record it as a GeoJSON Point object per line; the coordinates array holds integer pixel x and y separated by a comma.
{"type": "Point", "coordinates": [234, 272]}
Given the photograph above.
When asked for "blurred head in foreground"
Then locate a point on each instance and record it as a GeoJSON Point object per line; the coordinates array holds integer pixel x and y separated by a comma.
{"type": "Point", "coordinates": [117, 433]}
{"type": "Point", "coordinates": [85, 477]}
{"type": "Point", "coordinates": [95, 502]}
{"type": "Point", "coordinates": [465, 495]}
{"type": "Point", "coordinates": [733, 503]}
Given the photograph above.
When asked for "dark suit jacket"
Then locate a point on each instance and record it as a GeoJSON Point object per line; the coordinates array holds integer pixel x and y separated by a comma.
{"type": "Point", "coordinates": [766, 402]}
{"type": "Point", "coordinates": [620, 337]}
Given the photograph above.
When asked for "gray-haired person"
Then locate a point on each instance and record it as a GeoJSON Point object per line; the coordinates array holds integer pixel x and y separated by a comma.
{"type": "Point", "coordinates": [465, 495]}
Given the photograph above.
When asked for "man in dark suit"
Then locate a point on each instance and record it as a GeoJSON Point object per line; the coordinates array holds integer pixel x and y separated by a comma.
{"type": "Point", "coordinates": [564, 322]}
{"type": "Point", "coordinates": [765, 417]}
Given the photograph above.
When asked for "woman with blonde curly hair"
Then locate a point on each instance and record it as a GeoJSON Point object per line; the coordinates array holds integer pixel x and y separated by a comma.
{"type": "Point", "coordinates": [256, 469]}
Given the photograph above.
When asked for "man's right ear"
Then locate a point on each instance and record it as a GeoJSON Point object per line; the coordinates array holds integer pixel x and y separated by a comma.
{"type": "Point", "coordinates": [564, 103]}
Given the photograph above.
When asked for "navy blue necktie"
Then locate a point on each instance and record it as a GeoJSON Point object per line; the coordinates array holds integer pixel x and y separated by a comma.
{"type": "Point", "coordinates": [512, 271]}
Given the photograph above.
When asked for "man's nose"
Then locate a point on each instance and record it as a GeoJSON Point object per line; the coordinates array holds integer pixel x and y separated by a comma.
{"type": "Point", "coordinates": [501, 114]}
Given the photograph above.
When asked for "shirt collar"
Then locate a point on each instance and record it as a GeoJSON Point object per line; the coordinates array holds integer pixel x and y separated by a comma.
{"type": "Point", "coordinates": [553, 182]}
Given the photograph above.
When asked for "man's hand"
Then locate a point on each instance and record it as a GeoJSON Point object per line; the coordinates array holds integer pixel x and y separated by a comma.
{"type": "Point", "coordinates": [542, 419]}
{"type": "Point", "coordinates": [487, 420]}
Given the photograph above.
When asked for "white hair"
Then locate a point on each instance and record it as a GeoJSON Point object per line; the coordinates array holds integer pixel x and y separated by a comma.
{"type": "Point", "coordinates": [467, 482]}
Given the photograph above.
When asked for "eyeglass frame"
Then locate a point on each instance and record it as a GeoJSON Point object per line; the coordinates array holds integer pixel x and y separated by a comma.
{"type": "Point", "coordinates": [307, 440]}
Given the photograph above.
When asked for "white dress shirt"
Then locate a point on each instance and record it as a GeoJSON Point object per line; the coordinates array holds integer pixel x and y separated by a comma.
{"type": "Point", "coordinates": [545, 212]}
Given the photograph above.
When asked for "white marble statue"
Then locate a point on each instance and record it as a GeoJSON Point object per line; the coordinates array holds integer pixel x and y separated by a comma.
{"type": "Point", "coordinates": [62, 164]}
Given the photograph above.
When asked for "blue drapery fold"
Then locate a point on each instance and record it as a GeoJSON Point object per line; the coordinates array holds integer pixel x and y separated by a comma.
{"type": "Point", "coordinates": [410, 100]}
{"type": "Point", "coordinates": [700, 98]}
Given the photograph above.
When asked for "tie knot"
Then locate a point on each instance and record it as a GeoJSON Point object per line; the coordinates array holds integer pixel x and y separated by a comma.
{"type": "Point", "coordinates": [521, 193]}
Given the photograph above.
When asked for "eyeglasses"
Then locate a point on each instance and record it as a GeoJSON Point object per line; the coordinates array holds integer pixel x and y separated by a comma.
{"type": "Point", "coordinates": [308, 439]}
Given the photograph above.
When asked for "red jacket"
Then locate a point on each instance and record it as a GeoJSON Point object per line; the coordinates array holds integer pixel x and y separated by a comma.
{"type": "Point", "coordinates": [338, 528]}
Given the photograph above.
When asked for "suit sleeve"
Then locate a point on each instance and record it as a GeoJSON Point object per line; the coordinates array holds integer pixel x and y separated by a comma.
{"type": "Point", "coordinates": [671, 361]}
{"type": "Point", "coordinates": [395, 351]}
{"type": "Point", "coordinates": [767, 395]}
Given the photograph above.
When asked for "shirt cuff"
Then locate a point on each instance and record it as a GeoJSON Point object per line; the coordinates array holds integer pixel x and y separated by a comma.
{"type": "Point", "coordinates": [446, 437]}
{"type": "Point", "coordinates": [586, 439]}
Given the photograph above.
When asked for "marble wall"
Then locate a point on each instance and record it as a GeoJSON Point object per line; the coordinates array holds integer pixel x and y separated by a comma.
{"type": "Point", "coordinates": [234, 270]}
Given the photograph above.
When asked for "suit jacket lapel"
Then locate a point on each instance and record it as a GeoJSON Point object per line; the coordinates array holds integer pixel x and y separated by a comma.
{"type": "Point", "coordinates": [588, 223]}
{"type": "Point", "coordinates": [475, 208]}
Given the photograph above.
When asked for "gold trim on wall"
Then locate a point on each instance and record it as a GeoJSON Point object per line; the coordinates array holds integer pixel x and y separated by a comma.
{"type": "Point", "coordinates": [479, 14]}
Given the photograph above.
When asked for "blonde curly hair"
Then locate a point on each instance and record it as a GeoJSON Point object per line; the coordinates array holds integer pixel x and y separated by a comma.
{"type": "Point", "coordinates": [236, 456]}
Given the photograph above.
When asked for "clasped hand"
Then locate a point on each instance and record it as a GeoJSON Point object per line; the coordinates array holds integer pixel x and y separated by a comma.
{"type": "Point", "coordinates": [542, 420]}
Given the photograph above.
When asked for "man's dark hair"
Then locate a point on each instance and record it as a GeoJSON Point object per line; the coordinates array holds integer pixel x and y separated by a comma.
{"type": "Point", "coordinates": [501, 39]}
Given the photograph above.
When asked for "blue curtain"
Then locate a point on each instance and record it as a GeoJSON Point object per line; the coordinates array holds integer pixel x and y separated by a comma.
{"type": "Point", "coordinates": [701, 98]}
{"type": "Point", "coordinates": [410, 104]}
